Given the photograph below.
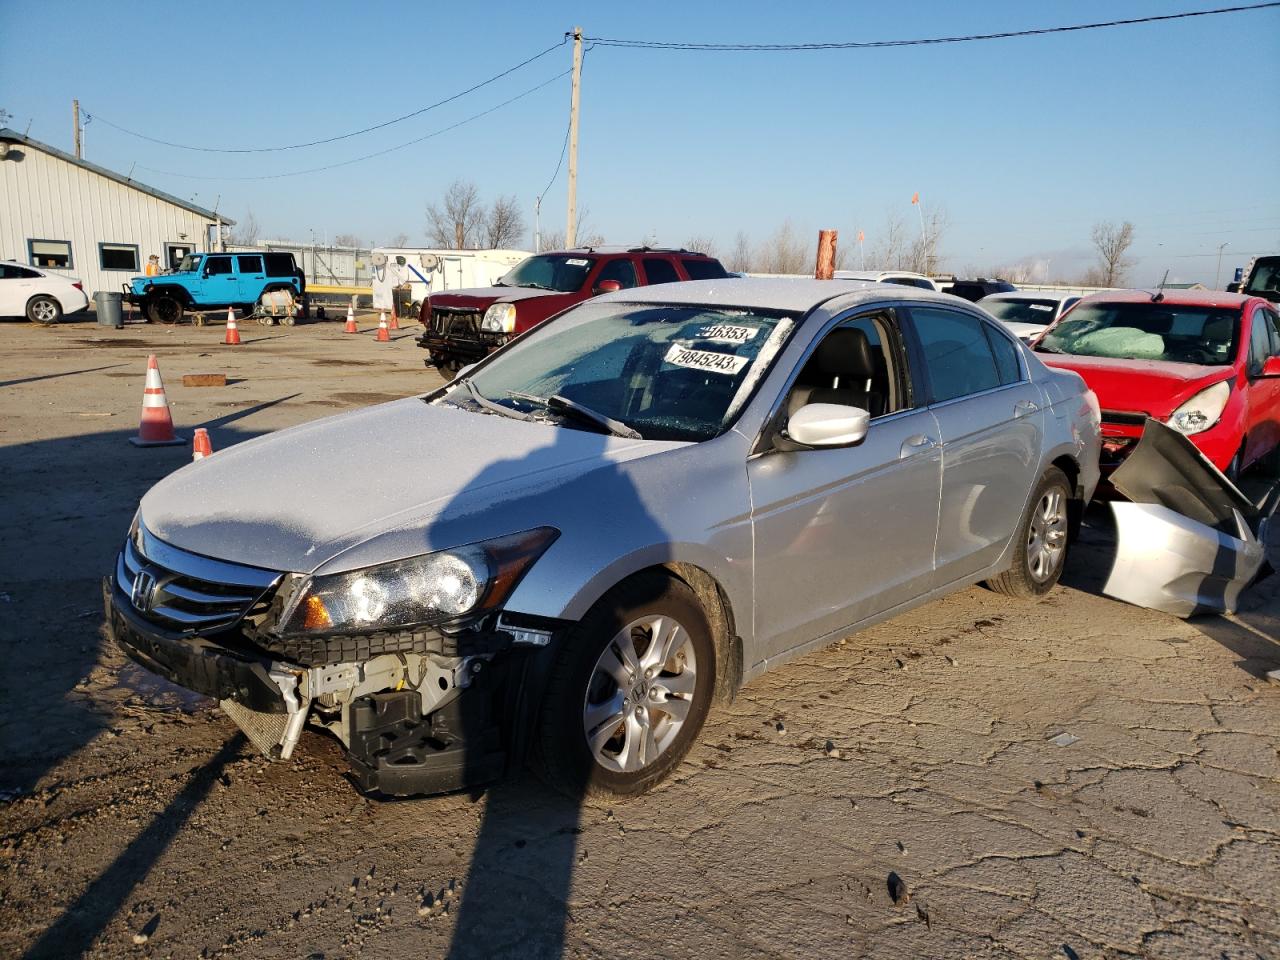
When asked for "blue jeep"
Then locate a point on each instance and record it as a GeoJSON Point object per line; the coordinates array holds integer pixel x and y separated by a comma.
{"type": "Point", "coordinates": [208, 280]}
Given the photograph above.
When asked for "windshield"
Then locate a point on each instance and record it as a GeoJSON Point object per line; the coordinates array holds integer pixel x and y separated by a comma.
{"type": "Point", "coordinates": [190, 263]}
{"type": "Point", "coordinates": [668, 372]}
{"type": "Point", "coordinates": [1146, 331]}
{"type": "Point", "coordinates": [1021, 311]}
{"type": "Point", "coordinates": [553, 271]}
{"type": "Point", "coordinates": [1265, 279]}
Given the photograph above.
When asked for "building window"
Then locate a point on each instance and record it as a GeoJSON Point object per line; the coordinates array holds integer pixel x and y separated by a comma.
{"type": "Point", "coordinates": [55, 254]}
{"type": "Point", "coordinates": [118, 256]}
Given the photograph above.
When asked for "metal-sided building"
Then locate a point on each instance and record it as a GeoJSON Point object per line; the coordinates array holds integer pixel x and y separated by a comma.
{"type": "Point", "coordinates": [79, 219]}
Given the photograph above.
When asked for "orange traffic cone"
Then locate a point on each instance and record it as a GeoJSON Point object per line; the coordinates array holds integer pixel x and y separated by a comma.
{"type": "Point", "coordinates": [233, 332]}
{"type": "Point", "coordinates": [395, 320]}
{"type": "Point", "coordinates": [200, 445]}
{"type": "Point", "coordinates": [351, 322]}
{"type": "Point", "coordinates": [156, 428]}
{"type": "Point", "coordinates": [383, 336]}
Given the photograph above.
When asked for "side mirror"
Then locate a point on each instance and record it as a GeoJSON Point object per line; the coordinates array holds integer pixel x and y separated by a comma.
{"type": "Point", "coordinates": [1271, 368]}
{"type": "Point", "coordinates": [607, 286]}
{"type": "Point", "coordinates": [828, 425]}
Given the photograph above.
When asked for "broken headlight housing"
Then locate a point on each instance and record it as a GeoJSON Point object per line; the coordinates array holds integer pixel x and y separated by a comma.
{"type": "Point", "coordinates": [499, 318]}
{"type": "Point", "coordinates": [434, 588]}
{"type": "Point", "coordinates": [1203, 410]}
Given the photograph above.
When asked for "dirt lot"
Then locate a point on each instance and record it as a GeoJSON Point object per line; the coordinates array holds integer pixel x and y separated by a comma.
{"type": "Point", "coordinates": [137, 823]}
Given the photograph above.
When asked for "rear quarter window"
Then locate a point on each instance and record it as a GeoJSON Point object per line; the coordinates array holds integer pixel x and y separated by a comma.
{"type": "Point", "coordinates": [704, 269]}
{"type": "Point", "coordinates": [279, 264]}
{"type": "Point", "coordinates": [658, 270]}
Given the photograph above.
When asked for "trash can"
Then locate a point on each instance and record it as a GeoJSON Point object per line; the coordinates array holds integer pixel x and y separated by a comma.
{"type": "Point", "coordinates": [110, 308]}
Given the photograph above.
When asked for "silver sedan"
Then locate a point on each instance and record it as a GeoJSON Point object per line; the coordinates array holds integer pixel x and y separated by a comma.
{"type": "Point", "coordinates": [613, 523]}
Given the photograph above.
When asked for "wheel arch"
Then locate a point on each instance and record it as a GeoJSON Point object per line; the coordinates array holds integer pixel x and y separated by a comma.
{"type": "Point", "coordinates": [178, 292]}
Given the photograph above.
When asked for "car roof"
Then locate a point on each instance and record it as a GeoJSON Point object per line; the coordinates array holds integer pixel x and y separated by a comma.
{"type": "Point", "coordinates": [877, 274]}
{"type": "Point", "coordinates": [798, 295]}
{"type": "Point", "coordinates": [1185, 298]}
{"type": "Point", "coordinates": [604, 251]}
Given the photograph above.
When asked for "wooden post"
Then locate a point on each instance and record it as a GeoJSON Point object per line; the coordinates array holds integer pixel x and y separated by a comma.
{"type": "Point", "coordinates": [75, 123]}
{"type": "Point", "coordinates": [826, 268]}
{"type": "Point", "coordinates": [571, 219]}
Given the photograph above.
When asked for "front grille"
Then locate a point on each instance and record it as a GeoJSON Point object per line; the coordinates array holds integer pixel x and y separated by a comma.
{"type": "Point", "coordinates": [464, 324]}
{"type": "Point", "coordinates": [1125, 417]}
{"type": "Point", "coordinates": [186, 592]}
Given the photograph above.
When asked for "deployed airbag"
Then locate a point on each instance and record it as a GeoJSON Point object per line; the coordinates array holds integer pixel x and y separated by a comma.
{"type": "Point", "coordinates": [1190, 541]}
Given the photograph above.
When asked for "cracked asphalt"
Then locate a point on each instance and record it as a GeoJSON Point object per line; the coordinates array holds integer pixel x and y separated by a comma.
{"type": "Point", "coordinates": [978, 778]}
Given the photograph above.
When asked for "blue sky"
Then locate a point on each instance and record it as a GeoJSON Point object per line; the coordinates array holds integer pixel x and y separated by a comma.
{"type": "Point", "coordinates": [1025, 142]}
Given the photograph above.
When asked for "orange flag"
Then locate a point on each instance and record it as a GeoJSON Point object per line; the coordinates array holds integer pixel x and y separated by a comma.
{"type": "Point", "coordinates": [915, 197]}
{"type": "Point", "coordinates": [861, 236]}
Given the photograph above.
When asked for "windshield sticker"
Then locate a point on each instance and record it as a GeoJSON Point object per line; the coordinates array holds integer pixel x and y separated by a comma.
{"type": "Point", "coordinates": [708, 360]}
{"type": "Point", "coordinates": [727, 333]}
{"type": "Point", "coordinates": [576, 262]}
{"type": "Point", "coordinates": [1040, 306]}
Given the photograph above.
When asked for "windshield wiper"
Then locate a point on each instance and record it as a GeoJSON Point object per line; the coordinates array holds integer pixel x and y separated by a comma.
{"type": "Point", "coordinates": [563, 405]}
{"type": "Point", "coordinates": [539, 286]}
{"type": "Point", "coordinates": [489, 405]}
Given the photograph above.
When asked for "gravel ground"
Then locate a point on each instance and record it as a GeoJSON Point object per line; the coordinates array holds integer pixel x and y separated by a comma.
{"type": "Point", "coordinates": [979, 778]}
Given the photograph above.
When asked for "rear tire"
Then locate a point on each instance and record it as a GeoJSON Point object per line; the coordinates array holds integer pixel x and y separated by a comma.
{"type": "Point", "coordinates": [629, 691]}
{"type": "Point", "coordinates": [1040, 551]}
{"type": "Point", "coordinates": [44, 310]}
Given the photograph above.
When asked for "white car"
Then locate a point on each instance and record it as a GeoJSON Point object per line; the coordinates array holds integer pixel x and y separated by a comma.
{"type": "Point", "coordinates": [903, 278]}
{"type": "Point", "coordinates": [39, 296]}
{"type": "Point", "coordinates": [1025, 313]}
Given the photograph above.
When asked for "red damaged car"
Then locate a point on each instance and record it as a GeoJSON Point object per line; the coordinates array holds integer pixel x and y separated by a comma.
{"type": "Point", "coordinates": [1206, 363]}
{"type": "Point", "coordinates": [463, 326]}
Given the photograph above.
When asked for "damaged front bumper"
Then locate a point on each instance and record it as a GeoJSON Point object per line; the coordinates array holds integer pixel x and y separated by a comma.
{"type": "Point", "coordinates": [412, 723]}
{"type": "Point", "coordinates": [1189, 541]}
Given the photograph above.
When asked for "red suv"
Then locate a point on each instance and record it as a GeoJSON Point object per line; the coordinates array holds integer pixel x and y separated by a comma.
{"type": "Point", "coordinates": [1206, 363]}
{"type": "Point", "coordinates": [463, 326]}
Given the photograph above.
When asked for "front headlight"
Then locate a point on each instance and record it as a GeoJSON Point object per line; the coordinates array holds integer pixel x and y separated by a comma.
{"type": "Point", "coordinates": [499, 318]}
{"type": "Point", "coordinates": [1203, 410]}
{"type": "Point", "coordinates": [434, 588]}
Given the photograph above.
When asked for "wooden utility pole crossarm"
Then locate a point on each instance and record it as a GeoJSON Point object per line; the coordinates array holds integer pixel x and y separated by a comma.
{"type": "Point", "coordinates": [571, 220]}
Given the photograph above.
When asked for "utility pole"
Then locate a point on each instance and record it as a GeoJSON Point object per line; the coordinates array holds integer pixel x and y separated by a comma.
{"type": "Point", "coordinates": [571, 219]}
{"type": "Point", "coordinates": [75, 120]}
{"type": "Point", "coordinates": [1217, 277]}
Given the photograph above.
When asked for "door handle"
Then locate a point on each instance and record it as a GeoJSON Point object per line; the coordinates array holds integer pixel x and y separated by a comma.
{"type": "Point", "coordinates": [917, 444]}
{"type": "Point", "coordinates": [1024, 408]}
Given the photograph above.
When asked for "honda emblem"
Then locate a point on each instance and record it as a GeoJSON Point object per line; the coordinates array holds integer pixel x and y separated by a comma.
{"type": "Point", "coordinates": [143, 594]}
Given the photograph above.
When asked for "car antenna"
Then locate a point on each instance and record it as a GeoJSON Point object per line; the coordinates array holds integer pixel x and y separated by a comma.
{"type": "Point", "coordinates": [1159, 294]}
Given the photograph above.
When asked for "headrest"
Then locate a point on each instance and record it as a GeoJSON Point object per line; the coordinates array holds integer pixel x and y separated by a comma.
{"type": "Point", "coordinates": [847, 353]}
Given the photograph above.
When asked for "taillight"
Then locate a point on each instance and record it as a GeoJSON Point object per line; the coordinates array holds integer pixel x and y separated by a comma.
{"type": "Point", "coordinates": [424, 313]}
{"type": "Point", "coordinates": [79, 286]}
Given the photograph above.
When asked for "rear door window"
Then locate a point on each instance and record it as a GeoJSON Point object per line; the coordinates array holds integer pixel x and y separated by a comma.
{"type": "Point", "coordinates": [658, 270]}
{"type": "Point", "coordinates": [251, 263]}
{"type": "Point", "coordinates": [1006, 354]}
{"type": "Point", "coordinates": [214, 266]}
{"type": "Point", "coordinates": [957, 355]}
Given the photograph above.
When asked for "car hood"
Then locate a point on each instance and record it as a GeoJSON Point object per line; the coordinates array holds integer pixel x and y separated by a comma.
{"type": "Point", "coordinates": [379, 484]}
{"type": "Point", "coordinates": [481, 297]}
{"type": "Point", "coordinates": [1153, 387]}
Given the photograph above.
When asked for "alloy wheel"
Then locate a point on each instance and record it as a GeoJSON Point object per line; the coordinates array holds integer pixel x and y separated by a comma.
{"type": "Point", "coordinates": [1047, 536]}
{"type": "Point", "coordinates": [640, 693]}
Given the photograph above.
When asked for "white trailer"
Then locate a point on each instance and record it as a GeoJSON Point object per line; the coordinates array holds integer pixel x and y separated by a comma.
{"type": "Point", "coordinates": [427, 271]}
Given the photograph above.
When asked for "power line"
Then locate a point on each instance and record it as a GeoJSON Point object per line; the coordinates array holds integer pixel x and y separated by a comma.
{"type": "Point", "coordinates": [343, 136]}
{"type": "Point", "coordinates": [379, 153]}
{"type": "Point", "coordinates": [920, 42]}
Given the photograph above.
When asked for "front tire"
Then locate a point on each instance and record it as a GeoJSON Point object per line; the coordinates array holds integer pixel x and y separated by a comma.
{"type": "Point", "coordinates": [1042, 541]}
{"type": "Point", "coordinates": [164, 309]}
{"type": "Point", "coordinates": [44, 310]}
{"type": "Point", "coordinates": [629, 691]}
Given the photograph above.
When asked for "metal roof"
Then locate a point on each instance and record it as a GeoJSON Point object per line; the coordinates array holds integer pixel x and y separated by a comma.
{"type": "Point", "coordinates": [13, 136]}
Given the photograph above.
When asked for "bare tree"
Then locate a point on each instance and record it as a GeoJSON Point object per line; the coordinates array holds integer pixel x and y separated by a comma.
{"type": "Point", "coordinates": [739, 259]}
{"type": "Point", "coordinates": [701, 244]}
{"type": "Point", "coordinates": [784, 252]}
{"type": "Point", "coordinates": [889, 249]}
{"type": "Point", "coordinates": [399, 240]}
{"type": "Point", "coordinates": [505, 223]}
{"type": "Point", "coordinates": [247, 231]}
{"type": "Point", "coordinates": [922, 255]}
{"type": "Point", "coordinates": [457, 223]}
{"type": "Point", "coordinates": [5, 117]}
{"type": "Point", "coordinates": [346, 240]}
{"type": "Point", "coordinates": [1112, 242]}
{"type": "Point", "coordinates": [588, 236]}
